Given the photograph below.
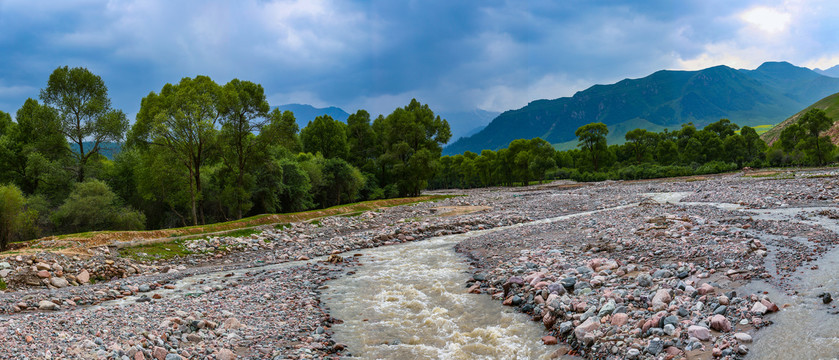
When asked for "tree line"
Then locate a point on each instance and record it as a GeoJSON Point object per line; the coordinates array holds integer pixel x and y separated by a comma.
{"type": "Point", "coordinates": [718, 147]}
{"type": "Point", "coordinates": [198, 152]}
{"type": "Point", "coordinates": [201, 152]}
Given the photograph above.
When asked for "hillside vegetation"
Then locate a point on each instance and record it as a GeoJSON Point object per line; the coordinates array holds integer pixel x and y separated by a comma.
{"type": "Point", "coordinates": [830, 105]}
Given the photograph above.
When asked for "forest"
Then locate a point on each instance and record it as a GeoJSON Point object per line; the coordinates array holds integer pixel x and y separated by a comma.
{"type": "Point", "coordinates": [200, 152]}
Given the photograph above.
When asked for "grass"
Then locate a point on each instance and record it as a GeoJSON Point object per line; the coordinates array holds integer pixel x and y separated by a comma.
{"type": "Point", "coordinates": [98, 238]}
{"type": "Point", "coordinates": [156, 251]}
{"type": "Point", "coordinates": [282, 226]}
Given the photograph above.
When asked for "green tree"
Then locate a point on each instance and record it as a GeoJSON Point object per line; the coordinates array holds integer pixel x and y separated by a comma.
{"type": "Point", "coordinates": [15, 218]}
{"type": "Point", "coordinates": [361, 139]}
{"type": "Point", "coordinates": [592, 138]}
{"type": "Point", "coordinates": [754, 144]}
{"type": "Point", "coordinates": [723, 128]}
{"type": "Point", "coordinates": [640, 140]}
{"type": "Point", "coordinates": [282, 130]}
{"type": "Point", "coordinates": [402, 135]}
{"type": "Point", "coordinates": [326, 136]}
{"type": "Point", "coordinates": [182, 119]}
{"type": "Point", "coordinates": [93, 206]}
{"type": "Point", "coordinates": [85, 113]}
{"type": "Point", "coordinates": [244, 110]}
{"type": "Point", "coordinates": [814, 122]}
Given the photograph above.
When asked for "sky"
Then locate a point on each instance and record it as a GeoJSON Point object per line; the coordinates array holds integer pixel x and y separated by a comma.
{"type": "Point", "coordinates": [377, 55]}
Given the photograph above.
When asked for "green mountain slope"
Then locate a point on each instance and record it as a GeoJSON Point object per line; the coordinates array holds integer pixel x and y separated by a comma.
{"type": "Point", "coordinates": [829, 104]}
{"type": "Point", "coordinates": [664, 99]}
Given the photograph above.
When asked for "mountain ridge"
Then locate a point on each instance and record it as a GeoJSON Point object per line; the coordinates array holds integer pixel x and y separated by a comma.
{"type": "Point", "coordinates": [663, 99]}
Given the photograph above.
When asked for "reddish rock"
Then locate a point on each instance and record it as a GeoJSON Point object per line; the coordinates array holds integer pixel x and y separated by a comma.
{"type": "Point", "coordinates": [720, 323]}
{"type": "Point", "coordinates": [759, 308]}
{"type": "Point", "coordinates": [156, 296]}
{"type": "Point", "coordinates": [587, 327]}
{"type": "Point", "coordinates": [225, 354]}
{"type": "Point", "coordinates": [705, 288]}
{"type": "Point", "coordinates": [43, 274]}
{"type": "Point", "coordinates": [139, 356]}
{"type": "Point", "coordinates": [771, 307]}
{"type": "Point", "coordinates": [619, 319]}
{"type": "Point", "coordinates": [549, 340]}
{"type": "Point", "coordinates": [83, 277]}
{"type": "Point", "coordinates": [661, 299]}
{"type": "Point", "coordinates": [159, 353]}
{"type": "Point", "coordinates": [700, 332]}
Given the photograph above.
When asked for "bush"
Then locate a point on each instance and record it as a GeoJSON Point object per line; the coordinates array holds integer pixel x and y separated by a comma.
{"type": "Point", "coordinates": [716, 167]}
{"type": "Point", "coordinates": [93, 206]}
{"type": "Point", "coordinates": [15, 219]}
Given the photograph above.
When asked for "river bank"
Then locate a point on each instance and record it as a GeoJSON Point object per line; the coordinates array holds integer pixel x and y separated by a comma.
{"type": "Point", "coordinates": [608, 270]}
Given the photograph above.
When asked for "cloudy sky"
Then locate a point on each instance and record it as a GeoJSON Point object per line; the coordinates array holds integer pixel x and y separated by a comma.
{"type": "Point", "coordinates": [377, 55]}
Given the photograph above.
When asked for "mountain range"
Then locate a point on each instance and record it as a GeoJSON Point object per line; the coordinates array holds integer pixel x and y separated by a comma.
{"type": "Point", "coordinates": [304, 113]}
{"type": "Point", "coordinates": [664, 99]}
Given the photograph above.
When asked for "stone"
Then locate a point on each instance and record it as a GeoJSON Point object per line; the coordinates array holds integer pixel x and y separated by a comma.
{"type": "Point", "coordinates": [759, 308]}
{"type": "Point", "coordinates": [5, 265]}
{"type": "Point", "coordinates": [556, 288]}
{"type": "Point", "coordinates": [607, 308]}
{"type": "Point", "coordinates": [59, 282]}
{"type": "Point", "coordinates": [159, 353]}
{"type": "Point", "coordinates": [83, 277]}
{"type": "Point", "coordinates": [720, 310]}
{"type": "Point", "coordinates": [144, 288]}
{"type": "Point", "coordinates": [644, 280]}
{"type": "Point", "coordinates": [661, 299]}
{"type": "Point", "coordinates": [669, 329]}
{"type": "Point", "coordinates": [633, 354]}
{"type": "Point", "coordinates": [225, 354]}
{"type": "Point", "coordinates": [720, 323]}
{"type": "Point", "coordinates": [705, 288]}
{"type": "Point", "coordinates": [44, 274]}
{"type": "Point", "coordinates": [743, 337]}
{"type": "Point", "coordinates": [171, 356]}
{"type": "Point", "coordinates": [47, 305]}
{"type": "Point", "coordinates": [770, 307]}
{"type": "Point", "coordinates": [232, 324]}
{"type": "Point", "coordinates": [549, 340]}
{"type": "Point", "coordinates": [826, 297]}
{"type": "Point", "coordinates": [586, 327]}
{"type": "Point", "coordinates": [139, 356]}
{"type": "Point", "coordinates": [655, 346]}
{"type": "Point", "coordinates": [619, 319]}
{"type": "Point", "coordinates": [700, 332]}
{"type": "Point", "coordinates": [568, 282]}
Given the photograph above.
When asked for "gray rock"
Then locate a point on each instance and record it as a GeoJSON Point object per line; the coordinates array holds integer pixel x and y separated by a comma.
{"type": "Point", "coordinates": [720, 310]}
{"type": "Point", "coordinates": [655, 346]}
{"type": "Point", "coordinates": [644, 280]}
{"type": "Point", "coordinates": [59, 282]}
{"type": "Point", "coordinates": [556, 288]}
{"type": "Point", "coordinates": [607, 308]}
{"type": "Point", "coordinates": [633, 354]}
{"type": "Point", "coordinates": [47, 305]}
{"type": "Point", "coordinates": [568, 282]}
{"type": "Point", "coordinates": [566, 327]}
{"type": "Point", "coordinates": [144, 288]}
{"type": "Point", "coordinates": [671, 320]}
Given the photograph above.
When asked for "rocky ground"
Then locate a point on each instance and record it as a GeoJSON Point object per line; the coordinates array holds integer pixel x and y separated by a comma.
{"type": "Point", "coordinates": [637, 278]}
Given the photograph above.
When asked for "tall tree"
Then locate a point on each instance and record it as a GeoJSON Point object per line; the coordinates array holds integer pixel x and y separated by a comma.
{"type": "Point", "coordinates": [639, 140]}
{"type": "Point", "coordinates": [182, 119]}
{"type": "Point", "coordinates": [81, 99]}
{"type": "Point", "coordinates": [282, 130]}
{"type": "Point", "coordinates": [592, 139]}
{"type": "Point", "coordinates": [814, 122]}
{"type": "Point", "coordinates": [327, 136]}
{"type": "Point", "coordinates": [244, 110]}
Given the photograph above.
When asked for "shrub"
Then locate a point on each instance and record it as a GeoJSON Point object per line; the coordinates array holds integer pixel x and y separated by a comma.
{"type": "Point", "coordinates": [93, 206]}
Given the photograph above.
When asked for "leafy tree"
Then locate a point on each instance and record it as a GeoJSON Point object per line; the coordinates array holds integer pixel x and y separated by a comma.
{"type": "Point", "coordinates": [723, 128]}
{"type": "Point", "coordinates": [282, 130]}
{"type": "Point", "coordinates": [84, 110]}
{"type": "Point", "coordinates": [182, 120]}
{"type": "Point", "coordinates": [326, 136]}
{"type": "Point", "coordinates": [639, 140]}
{"type": "Point", "coordinates": [814, 122]}
{"type": "Point", "coordinates": [753, 143]}
{"type": "Point", "coordinates": [15, 218]}
{"type": "Point", "coordinates": [361, 140]}
{"type": "Point", "coordinates": [592, 139]}
{"type": "Point", "coordinates": [93, 206]}
{"type": "Point", "coordinates": [244, 110]}
{"type": "Point", "coordinates": [402, 135]}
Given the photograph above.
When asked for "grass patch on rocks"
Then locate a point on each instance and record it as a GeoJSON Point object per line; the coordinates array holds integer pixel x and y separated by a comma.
{"type": "Point", "coordinates": [156, 251]}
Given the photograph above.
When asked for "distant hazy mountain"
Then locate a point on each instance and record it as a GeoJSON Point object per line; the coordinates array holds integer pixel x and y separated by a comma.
{"type": "Point", "coordinates": [305, 113]}
{"type": "Point", "coordinates": [664, 99]}
{"type": "Point", "coordinates": [107, 149]}
{"type": "Point", "coordinates": [830, 105]}
{"type": "Point", "coordinates": [832, 72]}
{"type": "Point", "coordinates": [467, 123]}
